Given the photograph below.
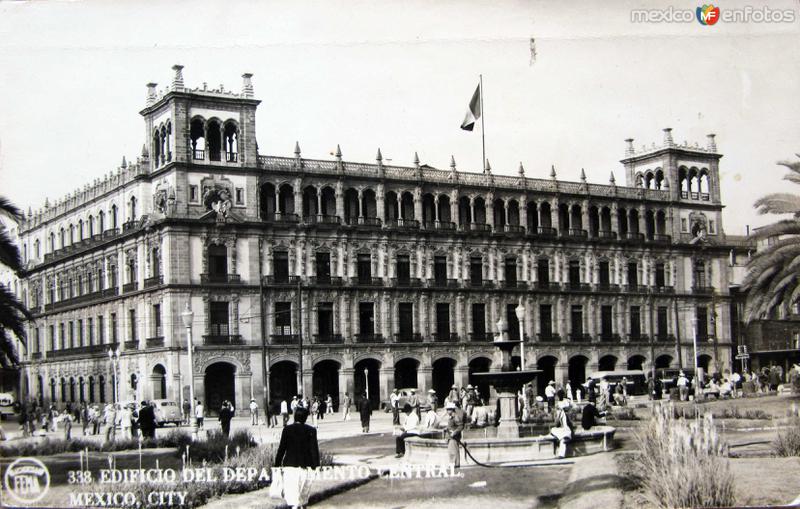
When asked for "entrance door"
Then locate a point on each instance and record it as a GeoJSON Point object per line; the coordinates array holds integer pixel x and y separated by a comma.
{"type": "Point", "coordinates": [219, 386]}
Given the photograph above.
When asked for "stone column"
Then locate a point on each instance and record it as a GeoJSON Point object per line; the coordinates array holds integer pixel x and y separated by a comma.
{"type": "Point", "coordinates": [346, 383]}
{"type": "Point", "coordinates": [386, 382]}
{"type": "Point", "coordinates": [243, 389]}
{"type": "Point", "coordinates": [424, 379]}
{"type": "Point", "coordinates": [308, 377]}
{"type": "Point", "coordinates": [461, 375]}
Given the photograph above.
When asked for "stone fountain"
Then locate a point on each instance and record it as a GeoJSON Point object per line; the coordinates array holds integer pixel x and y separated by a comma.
{"type": "Point", "coordinates": [506, 443]}
{"type": "Point", "coordinates": [507, 382]}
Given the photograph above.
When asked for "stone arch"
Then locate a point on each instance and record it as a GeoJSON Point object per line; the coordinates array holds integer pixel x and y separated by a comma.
{"type": "Point", "coordinates": [477, 355]}
{"type": "Point", "coordinates": [327, 357]}
{"type": "Point", "coordinates": [222, 358]}
{"type": "Point", "coordinates": [367, 355]}
{"type": "Point", "coordinates": [283, 358]}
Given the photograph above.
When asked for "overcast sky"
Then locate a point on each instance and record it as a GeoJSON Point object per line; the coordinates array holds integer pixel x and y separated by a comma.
{"type": "Point", "coordinates": [368, 74]}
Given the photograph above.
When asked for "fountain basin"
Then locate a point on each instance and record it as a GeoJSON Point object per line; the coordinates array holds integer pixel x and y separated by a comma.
{"type": "Point", "coordinates": [432, 448]}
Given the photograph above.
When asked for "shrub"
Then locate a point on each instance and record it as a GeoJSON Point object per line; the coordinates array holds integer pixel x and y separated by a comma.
{"type": "Point", "coordinates": [682, 463]}
{"type": "Point", "coordinates": [49, 446]}
{"type": "Point", "coordinates": [216, 447]}
{"type": "Point", "coordinates": [788, 441]}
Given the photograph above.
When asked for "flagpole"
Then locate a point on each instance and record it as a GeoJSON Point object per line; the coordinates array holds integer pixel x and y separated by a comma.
{"type": "Point", "coordinates": [483, 128]}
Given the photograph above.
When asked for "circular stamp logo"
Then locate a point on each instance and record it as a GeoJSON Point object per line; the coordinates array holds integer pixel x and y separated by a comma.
{"type": "Point", "coordinates": [27, 480]}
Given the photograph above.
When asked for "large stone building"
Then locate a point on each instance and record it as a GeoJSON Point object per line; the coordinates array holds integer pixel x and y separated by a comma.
{"type": "Point", "coordinates": [390, 276]}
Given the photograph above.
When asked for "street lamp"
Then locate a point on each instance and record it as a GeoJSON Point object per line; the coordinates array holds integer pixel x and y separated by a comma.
{"type": "Point", "coordinates": [366, 382]}
{"type": "Point", "coordinates": [520, 310]}
{"type": "Point", "coordinates": [187, 317]}
{"type": "Point", "coordinates": [113, 356]}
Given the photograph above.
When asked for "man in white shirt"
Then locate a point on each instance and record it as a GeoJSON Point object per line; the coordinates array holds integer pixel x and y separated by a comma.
{"type": "Point", "coordinates": [394, 402]}
{"type": "Point", "coordinates": [410, 428]}
{"type": "Point", "coordinates": [285, 412]}
{"type": "Point", "coordinates": [683, 386]}
{"type": "Point", "coordinates": [253, 412]}
{"type": "Point", "coordinates": [199, 414]}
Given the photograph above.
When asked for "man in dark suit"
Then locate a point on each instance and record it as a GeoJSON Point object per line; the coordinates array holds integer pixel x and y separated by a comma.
{"type": "Point", "coordinates": [298, 446]}
{"type": "Point", "coordinates": [147, 421]}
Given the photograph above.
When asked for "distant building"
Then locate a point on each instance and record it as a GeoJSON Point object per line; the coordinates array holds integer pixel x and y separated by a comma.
{"type": "Point", "coordinates": [773, 340]}
{"type": "Point", "coordinates": [393, 276]}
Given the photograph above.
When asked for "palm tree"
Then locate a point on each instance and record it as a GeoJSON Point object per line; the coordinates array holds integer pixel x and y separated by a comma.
{"type": "Point", "coordinates": [12, 312]}
{"type": "Point", "coordinates": [773, 278]}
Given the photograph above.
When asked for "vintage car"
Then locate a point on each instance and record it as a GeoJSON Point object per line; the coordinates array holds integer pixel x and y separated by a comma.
{"type": "Point", "coordinates": [167, 411]}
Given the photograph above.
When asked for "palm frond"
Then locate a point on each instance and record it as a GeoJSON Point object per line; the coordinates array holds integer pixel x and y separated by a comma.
{"type": "Point", "coordinates": [9, 209]}
{"type": "Point", "coordinates": [791, 177]}
{"type": "Point", "coordinates": [784, 227]}
{"type": "Point", "coordinates": [792, 165]}
{"type": "Point", "coordinates": [8, 352]}
{"type": "Point", "coordinates": [9, 253]}
{"type": "Point", "coordinates": [778, 203]}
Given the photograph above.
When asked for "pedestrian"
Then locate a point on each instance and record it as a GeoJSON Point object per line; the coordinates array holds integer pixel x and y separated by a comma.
{"type": "Point", "coordinates": [563, 428]}
{"type": "Point", "coordinates": [110, 419]}
{"type": "Point", "coordinates": [315, 412]}
{"type": "Point", "coordinates": [225, 416]}
{"type": "Point", "coordinates": [346, 407]}
{"type": "Point", "coordinates": [124, 415]}
{"type": "Point", "coordinates": [430, 419]}
{"type": "Point", "coordinates": [410, 428]}
{"type": "Point", "coordinates": [67, 419]}
{"type": "Point", "coordinates": [455, 425]}
{"type": "Point", "coordinates": [605, 394]}
{"type": "Point", "coordinates": [23, 420]}
{"type": "Point", "coordinates": [294, 404]}
{"type": "Point", "coordinates": [253, 412]}
{"type": "Point", "coordinates": [285, 412]}
{"type": "Point", "coordinates": [274, 412]}
{"type": "Point", "coordinates": [774, 378]}
{"type": "Point", "coordinates": [433, 400]}
{"type": "Point", "coordinates": [590, 415]}
{"type": "Point", "coordinates": [550, 394]}
{"type": "Point", "coordinates": [199, 414]}
{"type": "Point", "coordinates": [365, 411]}
{"type": "Point", "coordinates": [297, 454]}
{"type": "Point", "coordinates": [187, 411]}
{"type": "Point", "coordinates": [453, 395]}
{"type": "Point", "coordinates": [94, 415]}
{"type": "Point", "coordinates": [591, 390]}
{"type": "Point", "coordinates": [619, 393]}
{"type": "Point", "coordinates": [147, 421]}
{"type": "Point", "coordinates": [413, 400]}
{"type": "Point", "coordinates": [85, 417]}
{"type": "Point", "coordinates": [134, 418]}
{"type": "Point", "coordinates": [394, 402]}
{"type": "Point", "coordinates": [329, 404]}
{"type": "Point", "coordinates": [568, 391]}
{"type": "Point", "coordinates": [683, 386]}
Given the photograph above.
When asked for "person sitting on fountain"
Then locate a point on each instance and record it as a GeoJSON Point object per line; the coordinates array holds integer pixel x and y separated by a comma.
{"type": "Point", "coordinates": [410, 428]}
{"type": "Point", "coordinates": [455, 425]}
{"type": "Point", "coordinates": [563, 429]}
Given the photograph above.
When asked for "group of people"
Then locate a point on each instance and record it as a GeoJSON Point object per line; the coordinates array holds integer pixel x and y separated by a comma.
{"type": "Point", "coordinates": [114, 420]}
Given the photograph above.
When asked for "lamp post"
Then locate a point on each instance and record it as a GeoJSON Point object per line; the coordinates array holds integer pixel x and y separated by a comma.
{"type": "Point", "coordinates": [187, 317]}
{"type": "Point", "coordinates": [113, 356]}
{"type": "Point", "coordinates": [366, 382]}
{"type": "Point", "coordinates": [520, 310]}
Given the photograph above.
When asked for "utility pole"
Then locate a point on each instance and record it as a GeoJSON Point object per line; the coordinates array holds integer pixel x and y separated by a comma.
{"type": "Point", "coordinates": [300, 335]}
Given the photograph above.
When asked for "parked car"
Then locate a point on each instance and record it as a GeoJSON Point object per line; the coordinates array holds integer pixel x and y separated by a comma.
{"type": "Point", "coordinates": [167, 411]}
{"type": "Point", "coordinates": [8, 408]}
{"type": "Point", "coordinates": [404, 395]}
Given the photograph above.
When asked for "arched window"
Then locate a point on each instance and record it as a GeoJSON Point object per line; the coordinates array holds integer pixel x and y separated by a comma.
{"type": "Point", "coordinates": [700, 274]}
{"type": "Point", "coordinates": [90, 224]}
{"type": "Point", "coordinates": [197, 136]}
{"type": "Point", "coordinates": [231, 141]}
{"type": "Point", "coordinates": [101, 222]}
{"type": "Point", "coordinates": [36, 248]}
{"type": "Point", "coordinates": [132, 209]}
{"type": "Point", "coordinates": [80, 229]}
{"type": "Point", "coordinates": [114, 223]}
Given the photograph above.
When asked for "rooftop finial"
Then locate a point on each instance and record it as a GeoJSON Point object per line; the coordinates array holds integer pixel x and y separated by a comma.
{"type": "Point", "coordinates": [416, 160]}
{"type": "Point", "coordinates": [247, 85]}
{"type": "Point", "coordinates": [144, 151]}
{"type": "Point", "coordinates": [552, 171]}
{"type": "Point", "coordinates": [452, 163]}
{"type": "Point", "coordinates": [151, 93]}
{"type": "Point", "coordinates": [297, 149]}
{"type": "Point", "coordinates": [712, 144]}
{"type": "Point", "coordinates": [338, 152]}
{"type": "Point", "coordinates": [612, 180]}
{"type": "Point", "coordinates": [583, 175]}
{"type": "Point", "coordinates": [521, 170]}
{"type": "Point", "coordinates": [124, 162]}
{"type": "Point", "coordinates": [488, 168]}
{"type": "Point", "coordinates": [379, 156]}
{"type": "Point", "coordinates": [177, 79]}
{"type": "Point", "coordinates": [668, 141]}
{"type": "Point", "coordinates": [629, 147]}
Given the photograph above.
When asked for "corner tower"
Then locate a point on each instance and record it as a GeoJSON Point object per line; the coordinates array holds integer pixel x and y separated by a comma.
{"type": "Point", "coordinates": [200, 126]}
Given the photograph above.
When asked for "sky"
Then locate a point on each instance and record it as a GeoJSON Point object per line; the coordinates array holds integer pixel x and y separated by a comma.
{"type": "Point", "coordinates": [398, 76]}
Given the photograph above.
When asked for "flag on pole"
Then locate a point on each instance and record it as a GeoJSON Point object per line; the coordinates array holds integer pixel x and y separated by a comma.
{"type": "Point", "coordinates": [474, 110]}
